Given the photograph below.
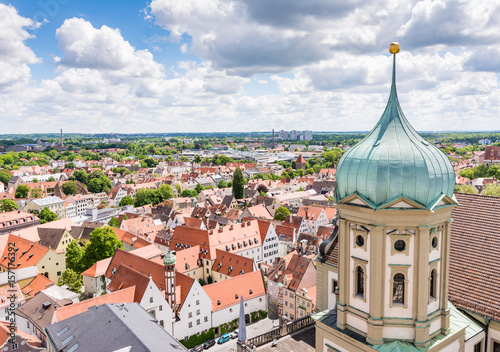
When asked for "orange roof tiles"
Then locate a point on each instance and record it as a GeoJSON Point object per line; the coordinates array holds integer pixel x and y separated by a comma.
{"type": "Point", "coordinates": [32, 340]}
{"type": "Point", "coordinates": [474, 282]}
{"type": "Point", "coordinates": [27, 253]}
{"type": "Point", "coordinates": [39, 283]}
{"type": "Point", "coordinates": [226, 293]}
{"type": "Point", "coordinates": [232, 264]}
{"type": "Point", "coordinates": [187, 259]}
{"type": "Point", "coordinates": [128, 277]}
{"type": "Point", "coordinates": [98, 269]}
{"type": "Point", "coordinates": [123, 296]}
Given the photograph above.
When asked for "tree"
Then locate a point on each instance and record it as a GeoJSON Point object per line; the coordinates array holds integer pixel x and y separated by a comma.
{"type": "Point", "coordinates": [165, 192]}
{"type": "Point", "coordinates": [467, 173]}
{"type": "Point", "coordinates": [468, 189]}
{"type": "Point", "coordinates": [70, 165]}
{"type": "Point", "coordinates": [51, 179]}
{"type": "Point", "coordinates": [36, 192]}
{"type": "Point", "coordinates": [103, 244]}
{"type": "Point", "coordinates": [113, 222]}
{"type": "Point", "coordinates": [189, 193]}
{"type": "Point", "coordinates": [143, 196]}
{"type": "Point", "coordinates": [80, 175]}
{"type": "Point", "coordinates": [5, 177]}
{"type": "Point", "coordinates": [222, 184]}
{"type": "Point", "coordinates": [197, 159]}
{"type": "Point", "coordinates": [35, 180]}
{"type": "Point", "coordinates": [127, 200]}
{"type": "Point", "coordinates": [238, 184]}
{"type": "Point", "coordinates": [46, 215]}
{"type": "Point", "coordinates": [22, 191]}
{"type": "Point", "coordinates": [74, 254]}
{"type": "Point", "coordinates": [198, 188]}
{"type": "Point", "coordinates": [8, 205]}
{"type": "Point", "coordinates": [72, 279]}
{"type": "Point", "coordinates": [491, 189]}
{"type": "Point", "coordinates": [281, 213]}
{"type": "Point", "coordinates": [70, 188]}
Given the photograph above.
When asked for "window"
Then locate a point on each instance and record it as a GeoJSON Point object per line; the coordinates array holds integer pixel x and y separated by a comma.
{"type": "Point", "coordinates": [150, 299]}
{"type": "Point", "coordinates": [161, 308]}
{"type": "Point", "coordinates": [400, 245]}
{"type": "Point", "coordinates": [197, 303]}
{"type": "Point", "coordinates": [477, 347]}
{"type": "Point", "coordinates": [58, 273]}
{"type": "Point", "coordinates": [334, 285]}
{"type": "Point", "coordinates": [161, 323]}
{"type": "Point", "coordinates": [398, 291]}
{"type": "Point", "coordinates": [286, 303]}
{"type": "Point", "coordinates": [198, 322]}
{"type": "Point", "coordinates": [360, 281]}
{"type": "Point", "coordinates": [190, 315]}
{"type": "Point", "coordinates": [432, 285]}
{"type": "Point", "coordinates": [434, 245]}
{"type": "Point", "coordinates": [14, 346]}
{"type": "Point", "coordinates": [360, 241]}
{"type": "Point", "coordinates": [206, 319]}
{"type": "Point", "coordinates": [197, 312]}
{"type": "Point", "coordinates": [291, 305]}
{"type": "Point", "coordinates": [190, 325]}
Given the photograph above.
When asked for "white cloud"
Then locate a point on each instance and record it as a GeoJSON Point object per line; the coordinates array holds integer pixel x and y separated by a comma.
{"type": "Point", "coordinates": [14, 54]}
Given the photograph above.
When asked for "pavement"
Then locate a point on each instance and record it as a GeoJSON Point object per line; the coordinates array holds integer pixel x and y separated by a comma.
{"type": "Point", "coordinates": [254, 329]}
{"type": "Point", "coordinates": [301, 341]}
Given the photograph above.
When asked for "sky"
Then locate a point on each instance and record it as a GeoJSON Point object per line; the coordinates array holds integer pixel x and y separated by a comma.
{"type": "Point", "coordinates": [123, 66]}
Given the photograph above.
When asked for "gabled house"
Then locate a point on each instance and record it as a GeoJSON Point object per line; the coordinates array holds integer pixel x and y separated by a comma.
{"type": "Point", "coordinates": [314, 217]}
{"type": "Point", "coordinates": [225, 297]}
{"type": "Point", "coordinates": [227, 265]}
{"type": "Point", "coordinates": [49, 262]}
{"type": "Point", "coordinates": [55, 239]}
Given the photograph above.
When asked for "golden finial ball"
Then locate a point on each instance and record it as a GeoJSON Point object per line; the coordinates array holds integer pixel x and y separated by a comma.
{"type": "Point", "coordinates": [394, 48]}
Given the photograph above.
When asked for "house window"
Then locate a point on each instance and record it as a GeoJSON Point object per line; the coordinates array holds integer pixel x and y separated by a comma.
{"type": "Point", "coordinates": [206, 319]}
{"type": "Point", "coordinates": [14, 346]}
{"type": "Point", "coordinates": [150, 299]}
{"type": "Point", "coordinates": [58, 273]}
{"type": "Point", "coordinates": [432, 285]}
{"type": "Point", "coordinates": [161, 308]}
{"type": "Point", "coordinates": [360, 281]}
{"type": "Point", "coordinates": [197, 303]}
{"type": "Point", "coordinates": [398, 291]}
{"type": "Point", "coordinates": [334, 285]}
{"type": "Point", "coordinates": [190, 325]}
{"type": "Point", "coordinates": [198, 322]}
{"type": "Point", "coordinates": [197, 312]}
{"type": "Point", "coordinates": [161, 323]}
{"type": "Point", "coordinates": [190, 315]}
{"type": "Point", "coordinates": [477, 347]}
{"type": "Point", "coordinates": [496, 346]}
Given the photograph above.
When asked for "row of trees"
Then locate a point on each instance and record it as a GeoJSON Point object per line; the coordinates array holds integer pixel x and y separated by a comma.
{"type": "Point", "coordinates": [481, 171]}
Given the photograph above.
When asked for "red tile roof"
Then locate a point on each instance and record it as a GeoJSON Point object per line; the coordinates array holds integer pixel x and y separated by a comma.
{"type": "Point", "coordinates": [231, 264]}
{"type": "Point", "coordinates": [126, 277]}
{"type": "Point", "coordinates": [123, 296]}
{"type": "Point", "coordinates": [227, 293]}
{"type": "Point", "coordinates": [187, 259]}
{"type": "Point", "coordinates": [474, 282]}
{"type": "Point", "coordinates": [39, 283]}
{"type": "Point", "coordinates": [27, 253]}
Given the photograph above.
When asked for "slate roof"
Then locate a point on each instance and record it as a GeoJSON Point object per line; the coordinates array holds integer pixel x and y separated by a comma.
{"type": "Point", "coordinates": [128, 327]}
{"type": "Point", "coordinates": [474, 283]}
{"type": "Point", "coordinates": [50, 237]}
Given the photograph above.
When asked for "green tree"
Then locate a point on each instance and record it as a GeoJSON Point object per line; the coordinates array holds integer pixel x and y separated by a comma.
{"type": "Point", "coordinates": [467, 173]}
{"type": "Point", "coordinates": [222, 184]}
{"type": "Point", "coordinates": [468, 189]}
{"type": "Point", "coordinates": [127, 200]}
{"type": "Point", "coordinates": [22, 191]}
{"type": "Point", "coordinates": [35, 180]}
{"type": "Point", "coordinates": [36, 192]}
{"type": "Point", "coordinates": [8, 205]}
{"type": "Point", "coordinates": [5, 177]}
{"type": "Point", "coordinates": [80, 175]}
{"type": "Point", "coordinates": [491, 190]}
{"type": "Point", "coordinates": [197, 159]}
{"type": "Point", "coordinates": [178, 188]}
{"type": "Point", "coordinates": [46, 215]}
{"type": "Point", "coordinates": [70, 165]}
{"type": "Point", "coordinates": [74, 255]}
{"type": "Point", "coordinates": [51, 179]}
{"type": "Point", "coordinates": [70, 188]}
{"type": "Point", "coordinates": [238, 184]}
{"type": "Point", "coordinates": [493, 171]}
{"type": "Point", "coordinates": [113, 222]}
{"type": "Point", "coordinates": [281, 213]}
{"type": "Point", "coordinates": [103, 244]}
{"type": "Point", "coordinates": [198, 188]}
{"type": "Point", "coordinates": [189, 193]}
{"type": "Point", "coordinates": [164, 192]}
{"type": "Point", "coordinates": [72, 279]}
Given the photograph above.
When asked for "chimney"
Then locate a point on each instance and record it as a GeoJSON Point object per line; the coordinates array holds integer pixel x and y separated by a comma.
{"type": "Point", "coordinates": [62, 144]}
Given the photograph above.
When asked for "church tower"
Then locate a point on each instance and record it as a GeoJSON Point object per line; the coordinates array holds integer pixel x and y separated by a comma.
{"type": "Point", "coordinates": [394, 196]}
{"type": "Point", "coordinates": [169, 265]}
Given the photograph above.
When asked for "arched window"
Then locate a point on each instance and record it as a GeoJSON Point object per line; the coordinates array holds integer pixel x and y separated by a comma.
{"type": "Point", "coordinates": [398, 292]}
{"type": "Point", "coordinates": [432, 284]}
{"type": "Point", "coordinates": [360, 281]}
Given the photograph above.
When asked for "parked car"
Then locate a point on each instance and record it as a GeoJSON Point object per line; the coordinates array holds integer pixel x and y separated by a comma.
{"type": "Point", "coordinates": [197, 349]}
{"type": "Point", "coordinates": [223, 338]}
{"type": "Point", "coordinates": [209, 344]}
{"type": "Point", "coordinates": [234, 334]}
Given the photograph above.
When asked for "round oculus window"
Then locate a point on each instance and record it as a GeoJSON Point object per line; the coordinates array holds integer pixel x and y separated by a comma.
{"type": "Point", "coordinates": [400, 245]}
{"type": "Point", "coordinates": [360, 241]}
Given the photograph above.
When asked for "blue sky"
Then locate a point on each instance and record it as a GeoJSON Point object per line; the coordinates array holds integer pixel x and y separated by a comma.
{"type": "Point", "coordinates": [245, 65]}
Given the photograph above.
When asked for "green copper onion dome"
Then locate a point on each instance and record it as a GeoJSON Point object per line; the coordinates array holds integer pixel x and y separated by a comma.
{"type": "Point", "coordinates": [394, 161]}
{"type": "Point", "coordinates": [169, 258]}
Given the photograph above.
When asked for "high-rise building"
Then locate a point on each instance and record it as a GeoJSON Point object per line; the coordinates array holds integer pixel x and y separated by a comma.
{"type": "Point", "coordinates": [308, 135]}
{"type": "Point", "coordinates": [294, 135]}
{"type": "Point", "coordinates": [283, 134]}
